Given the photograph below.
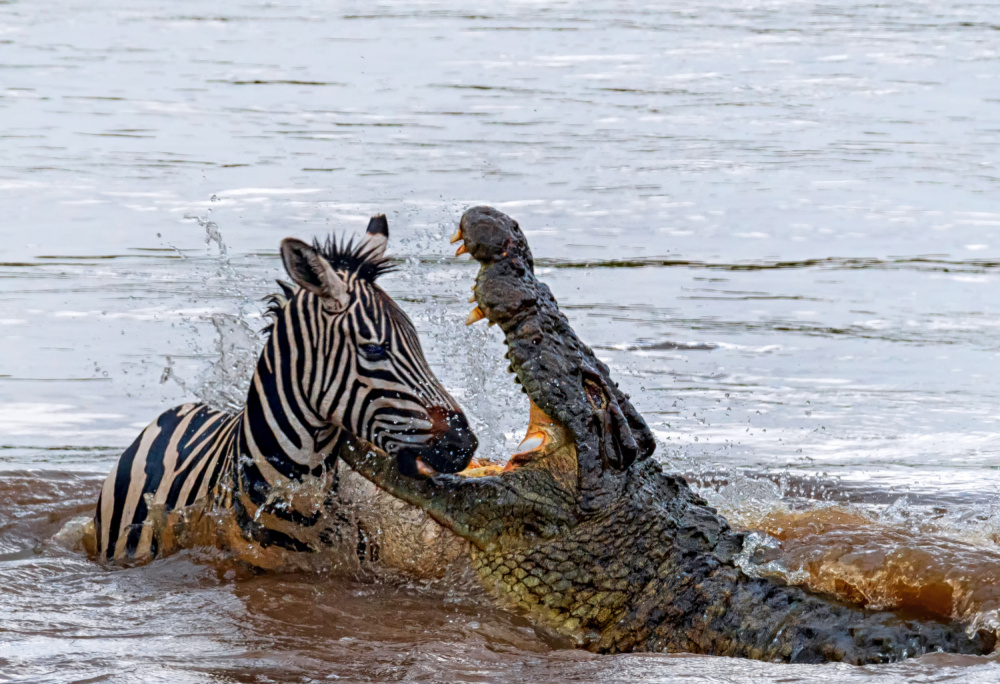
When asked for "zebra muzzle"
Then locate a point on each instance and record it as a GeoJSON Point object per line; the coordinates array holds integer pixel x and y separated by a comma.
{"type": "Point", "coordinates": [449, 451]}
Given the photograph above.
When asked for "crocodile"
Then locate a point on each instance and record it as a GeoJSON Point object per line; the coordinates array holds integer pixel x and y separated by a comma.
{"type": "Point", "coordinates": [587, 536]}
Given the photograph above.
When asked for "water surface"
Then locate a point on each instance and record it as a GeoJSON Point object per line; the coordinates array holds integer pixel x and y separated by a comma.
{"type": "Point", "coordinates": [777, 221]}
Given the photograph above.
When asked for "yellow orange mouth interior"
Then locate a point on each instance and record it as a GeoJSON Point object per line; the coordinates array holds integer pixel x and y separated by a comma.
{"type": "Point", "coordinates": [539, 435]}
{"type": "Point", "coordinates": [536, 438]}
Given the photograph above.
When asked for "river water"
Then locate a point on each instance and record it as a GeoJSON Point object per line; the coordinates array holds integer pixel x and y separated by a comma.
{"type": "Point", "coordinates": [777, 220]}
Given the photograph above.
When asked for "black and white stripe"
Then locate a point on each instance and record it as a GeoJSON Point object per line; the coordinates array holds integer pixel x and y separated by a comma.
{"type": "Point", "coordinates": [341, 356]}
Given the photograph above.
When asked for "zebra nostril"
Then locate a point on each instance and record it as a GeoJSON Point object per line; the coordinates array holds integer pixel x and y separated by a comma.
{"type": "Point", "coordinates": [457, 421]}
{"type": "Point", "coordinates": [459, 437]}
{"type": "Point", "coordinates": [458, 427]}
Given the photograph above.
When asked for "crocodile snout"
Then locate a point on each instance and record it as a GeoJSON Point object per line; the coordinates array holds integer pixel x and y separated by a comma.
{"type": "Point", "coordinates": [490, 235]}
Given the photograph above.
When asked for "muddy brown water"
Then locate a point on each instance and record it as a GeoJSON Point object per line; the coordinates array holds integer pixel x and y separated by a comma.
{"type": "Point", "coordinates": [776, 220]}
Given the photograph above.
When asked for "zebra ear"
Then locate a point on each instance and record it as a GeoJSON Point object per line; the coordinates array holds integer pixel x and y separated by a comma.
{"type": "Point", "coordinates": [376, 237]}
{"type": "Point", "coordinates": [311, 270]}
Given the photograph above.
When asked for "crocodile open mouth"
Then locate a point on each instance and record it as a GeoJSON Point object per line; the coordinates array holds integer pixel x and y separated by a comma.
{"type": "Point", "coordinates": [573, 396]}
{"type": "Point", "coordinates": [542, 434]}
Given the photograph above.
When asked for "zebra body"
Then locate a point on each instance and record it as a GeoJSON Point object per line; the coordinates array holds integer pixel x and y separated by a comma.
{"type": "Point", "coordinates": [340, 357]}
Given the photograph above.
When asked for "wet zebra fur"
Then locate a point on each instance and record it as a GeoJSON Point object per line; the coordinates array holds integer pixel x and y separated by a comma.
{"type": "Point", "coordinates": [340, 356]}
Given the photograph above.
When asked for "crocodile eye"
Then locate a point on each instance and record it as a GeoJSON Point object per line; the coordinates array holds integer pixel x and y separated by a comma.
{"type": "Point", "coordinates": [373, 352]}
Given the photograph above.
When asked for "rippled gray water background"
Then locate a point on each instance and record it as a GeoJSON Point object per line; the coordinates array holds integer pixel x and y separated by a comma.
{"type": "Point", "coordinates": [778, 221]}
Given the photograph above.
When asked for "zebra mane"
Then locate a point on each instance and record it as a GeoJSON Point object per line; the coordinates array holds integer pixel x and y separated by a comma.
{"type": "Point", "coordinates": [276, 302]}
{"type": "Point", "coordinates": [344, 255]}
{"type": "Point", "coordinates": [358, 259]}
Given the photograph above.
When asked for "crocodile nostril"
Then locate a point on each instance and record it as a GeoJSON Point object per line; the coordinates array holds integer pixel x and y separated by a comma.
{"type": "Point", "coordinates": [595, 394]}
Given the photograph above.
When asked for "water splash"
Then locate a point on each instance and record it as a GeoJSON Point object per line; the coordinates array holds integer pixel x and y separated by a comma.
{"type": "Point", "coordinates": [224, 381]}
{"type": "Point", "coordinates": [469, 360]}
{"type": "Point", "coordinates": [934, 562]}
{"type": "Point", "coordinates": [746, 501]}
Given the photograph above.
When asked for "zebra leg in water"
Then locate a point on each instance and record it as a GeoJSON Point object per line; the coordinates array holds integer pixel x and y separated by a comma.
{"type": "Point", "coordinates": [341, 358]}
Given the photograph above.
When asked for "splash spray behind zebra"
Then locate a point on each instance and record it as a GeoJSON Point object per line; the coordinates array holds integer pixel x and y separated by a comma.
{"type": "Point", "coordinates": [340, 357]}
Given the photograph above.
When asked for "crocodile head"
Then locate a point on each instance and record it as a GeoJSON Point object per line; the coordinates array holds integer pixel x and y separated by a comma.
{"type": "Point", "coordinates": [582, 429]}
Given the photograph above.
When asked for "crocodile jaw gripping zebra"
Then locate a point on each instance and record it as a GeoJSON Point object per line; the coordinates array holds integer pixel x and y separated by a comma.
{"type": "Point", "coordinates": [341, 357]}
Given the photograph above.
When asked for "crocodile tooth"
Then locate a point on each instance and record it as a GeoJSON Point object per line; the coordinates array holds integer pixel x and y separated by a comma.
{"type": "Point", "coordinates": [461, 249]}
{"type": "Point", "coordinates": [472, 299]}
{"type": "Point", "coordinates": [457, 236]}
{"type": "Point", "coordinates": [529, 444]}
{"type": "Point", "coordinates": [475, 315]}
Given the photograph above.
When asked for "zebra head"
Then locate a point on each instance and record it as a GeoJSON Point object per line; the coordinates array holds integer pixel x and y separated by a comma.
{"type": "Point", "coordinates": [356, 359]}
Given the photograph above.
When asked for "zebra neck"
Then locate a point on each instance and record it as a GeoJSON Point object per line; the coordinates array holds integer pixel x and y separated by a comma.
{"type": "Point", "coordinates": [278, 496]}
{"type": "Point", "coordinates": [280, 436]}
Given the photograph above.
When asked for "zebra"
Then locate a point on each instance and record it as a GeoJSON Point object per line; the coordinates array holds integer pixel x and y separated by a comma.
{"type": "Point", "coordinates": [340, 357]}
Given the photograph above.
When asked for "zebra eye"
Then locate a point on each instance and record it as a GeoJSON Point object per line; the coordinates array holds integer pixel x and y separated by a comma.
{"type": "Point", "coordinates": [373, 352]}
